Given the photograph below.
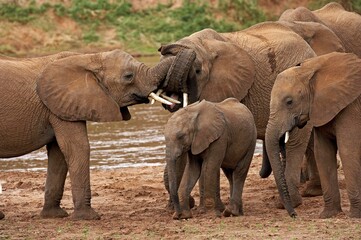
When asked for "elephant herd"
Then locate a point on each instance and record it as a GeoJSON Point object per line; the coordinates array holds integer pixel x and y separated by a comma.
{"type": "Point", "coordinates": [294, 83]}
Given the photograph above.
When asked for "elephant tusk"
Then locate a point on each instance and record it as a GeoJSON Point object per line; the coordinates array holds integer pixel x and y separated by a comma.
{"type": "Point", "coordinates": [159, 99]}
{"type": "Point", "coordinates": [170, 99]}
{"type": "Point", "coordinates": [287, 136]}
{"type": "Point", "coordinates": [185, 99]}
{"type": "Point", "coordinates": [152, 101]}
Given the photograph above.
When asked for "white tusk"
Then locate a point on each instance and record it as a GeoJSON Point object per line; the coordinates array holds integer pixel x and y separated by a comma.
{"type": "Point", "coordinates": [170, 99]}
{"type": "Point", "coordinates": [1, 189]}
{"type": "Point", "coordinates": [152, 101]}
{"type": "Point", "coordinates": [159, 99]}
{"type": "Point", "coordinates": [185, 99]}
{"type": "Point", "coordinates": [287, 136]}
{"type": "Point", "coordinates": [159, 92]}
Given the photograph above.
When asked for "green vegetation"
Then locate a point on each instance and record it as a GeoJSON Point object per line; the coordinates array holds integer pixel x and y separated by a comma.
{"type": "Point", "coordinates": [140, 31]}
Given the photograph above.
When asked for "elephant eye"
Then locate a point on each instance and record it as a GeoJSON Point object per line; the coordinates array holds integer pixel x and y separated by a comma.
{"type": "Point", "coordinates": [128, 76]}
{"type": "Point", "coordinates": [289, 101]}
{"type": "Point", "coordinates": [198, 71]}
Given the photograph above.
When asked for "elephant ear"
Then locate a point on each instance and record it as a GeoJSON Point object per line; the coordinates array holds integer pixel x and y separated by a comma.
{"type": "Point", "coordinates": [69, 87]}
{"type": "Point", "coordinates": [210, 124]}
{"type": "Point", "coordinates": [336, 83]}
{"type": "Point", "coordinates": [232, 71]}
{"type": "Point", "coordinates": [320, 38]}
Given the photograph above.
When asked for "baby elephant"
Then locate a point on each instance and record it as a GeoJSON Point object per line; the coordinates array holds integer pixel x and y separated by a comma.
{"type": "Point", "coordinates": [210, 136]}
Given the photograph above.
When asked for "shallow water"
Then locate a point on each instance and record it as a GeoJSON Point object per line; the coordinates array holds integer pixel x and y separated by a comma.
{"type": "Point", "coordinates": [138, 142]}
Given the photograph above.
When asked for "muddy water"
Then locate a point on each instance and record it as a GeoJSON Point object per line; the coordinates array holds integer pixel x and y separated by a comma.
{"type": "Point", "coordinates": [138, 142]}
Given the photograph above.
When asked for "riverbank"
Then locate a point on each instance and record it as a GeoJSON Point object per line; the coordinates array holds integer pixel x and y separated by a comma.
{"type": "Point", "coordinates": [132, 204]}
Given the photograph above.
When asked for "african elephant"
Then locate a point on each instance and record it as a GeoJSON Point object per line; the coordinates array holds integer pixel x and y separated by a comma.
{"type": "Point", "coordinates": [345, 24]}
{"type": "Point", "coordinates": [325, 91]}
{"type": "Point", "coordinates": [209, 136]}
{"type": "Point", "coordinates": [244, 65]}
{"type": "Point", "coordinates": [343, 28]}
{"type": "Point", "coordinates": [47, 101]}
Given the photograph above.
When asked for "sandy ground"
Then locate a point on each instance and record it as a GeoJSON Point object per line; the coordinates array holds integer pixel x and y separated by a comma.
{"type": "Point", "coordinates": [132, 204]}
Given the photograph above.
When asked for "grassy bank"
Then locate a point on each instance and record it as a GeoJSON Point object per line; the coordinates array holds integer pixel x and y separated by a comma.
{"type": "Point", "coordinates": [40, 27]}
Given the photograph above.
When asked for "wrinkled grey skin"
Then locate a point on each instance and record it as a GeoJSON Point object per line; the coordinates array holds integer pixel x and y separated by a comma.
{"type": "Point", "coordinates": [340, 28]}
{"type": "Point", "coordinates": [209, 136]}
{"type": "Point", "coordinates": [325, 91]}
{"type": "Point", "coordinates": [244, 65]}
{"type": "Point", "coordinates": [345, 24]}
{"type": "Point", "coordinates": [47, 101]}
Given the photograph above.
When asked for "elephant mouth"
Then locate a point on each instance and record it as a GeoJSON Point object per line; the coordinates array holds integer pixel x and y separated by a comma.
{"type": "Point", "coordinates": [282, 145]}
{"type": "Point", "coordinates": [174, 107]}
{"type": "Point", "coordinates": [125, 113]}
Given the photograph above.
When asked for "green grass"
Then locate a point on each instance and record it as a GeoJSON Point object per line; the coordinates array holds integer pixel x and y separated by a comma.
{"type": "Point", "coordinates": [142, 31]}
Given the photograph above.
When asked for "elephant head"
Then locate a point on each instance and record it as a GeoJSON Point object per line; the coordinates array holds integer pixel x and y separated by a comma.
{"type": "Point", "coordinates": [345, 24]}
{"type": "Point", "coordinates": [216, 61]}
{"type": "Point", "coordinates": [99, 86]}
{"type": "Point", "coordinates": [191, 129]}
{"type": "Point", "coordinates": [316, 91]}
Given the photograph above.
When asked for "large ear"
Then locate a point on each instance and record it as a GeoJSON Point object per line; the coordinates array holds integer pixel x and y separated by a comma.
{"type": "Point", "coordinates": [336, 83]}
{"type": "Point", "coordinates": [320, 38]}
{"type": "Point", "coordinates": [232, 71]}
{"type": "Point", "coordinates": [210, 124]}
{"type": "Point", "coordinates": [70, 89]}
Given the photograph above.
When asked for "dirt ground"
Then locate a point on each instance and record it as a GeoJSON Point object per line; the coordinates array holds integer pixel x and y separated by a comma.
{"type": "Point", "coordinates": [132, 204]}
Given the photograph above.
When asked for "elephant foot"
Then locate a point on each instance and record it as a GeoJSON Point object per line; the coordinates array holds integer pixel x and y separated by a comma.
{"type": "Point", "coordinates": [85, 214]}
{"type": "Point", "coordinates": [328, 213]}
{"type": "Point", "coordinates": [355, 212]}
{"type": "Point", "coordinates": [232, 212]}
{"type": "Point", "coordinates": [312, 190]}
{"type": "Point", "coordinates": [53, 212]}
{"type": "Point", "coordinates": [220, 206]}
{"type": "Point", "coordinates": [170, 205]}
{"type": "Point", "coordinates": [183, 215]}
{"type": "Point", "coordinates": [296, 201]}
{"type": "Point", "coordinates": [2, 216]}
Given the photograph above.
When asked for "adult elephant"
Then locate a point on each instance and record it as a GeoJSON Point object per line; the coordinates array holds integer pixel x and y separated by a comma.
{"type": "Point", "coordinates": [244, 65]}
{"type": "Point", "coordinates": [47, 101]}
{"type": "Point", "coordinates": [326, 91]}
{"type": "Point", "coordinates": [345, 24]}
{"type": "Point", "coordinates": [330, 22]}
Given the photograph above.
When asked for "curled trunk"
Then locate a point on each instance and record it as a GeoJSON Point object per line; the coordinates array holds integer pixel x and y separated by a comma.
{"type": "Point", "coordinates": [275, 146]}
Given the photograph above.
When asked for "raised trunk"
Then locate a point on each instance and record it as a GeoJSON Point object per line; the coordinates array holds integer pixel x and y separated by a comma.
{"type": "Point", "coordinates": [273, 149]}
{"type": "Point", "coordinates": [158, 73]}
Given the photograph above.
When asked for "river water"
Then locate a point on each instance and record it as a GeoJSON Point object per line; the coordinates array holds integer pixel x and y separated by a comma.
{"type": "Point", "coordinates": [137, 142]}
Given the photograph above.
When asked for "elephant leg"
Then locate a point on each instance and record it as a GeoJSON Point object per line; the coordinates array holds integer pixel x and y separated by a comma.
{"type": "Point", "coordinates": [350, 150]}
{"type": "Point", "coordinates": [55, 180]}
{"type": "Point", "coordinates": [210, 176]}
{"type": "Point", "coordinates": [325, 153]}
{"type": "Point", "coordinates": [74, 144]}
{"type": "Point", "coordinates": [235, 207]}
{"type": "Point", "coordinates": [313, 185]}
{"type": "Point", "coordinates": [180, 165]}
{"type": "Point", "coordinates": [191, 175]}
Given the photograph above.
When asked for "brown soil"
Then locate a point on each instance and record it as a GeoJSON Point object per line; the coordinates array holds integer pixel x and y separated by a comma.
{"type": "Point", "coordinates": [132, 204]}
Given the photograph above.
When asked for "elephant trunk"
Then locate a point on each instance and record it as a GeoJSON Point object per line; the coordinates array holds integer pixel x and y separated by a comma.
{"type": "Point", "coordinates": [176, 81]}
{"type": "Point", "coordinates": [275, 144]}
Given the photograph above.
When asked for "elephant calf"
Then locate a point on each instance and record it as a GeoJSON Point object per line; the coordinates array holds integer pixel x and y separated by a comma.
{"type": "Point", "coordinates": [211, 136]}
